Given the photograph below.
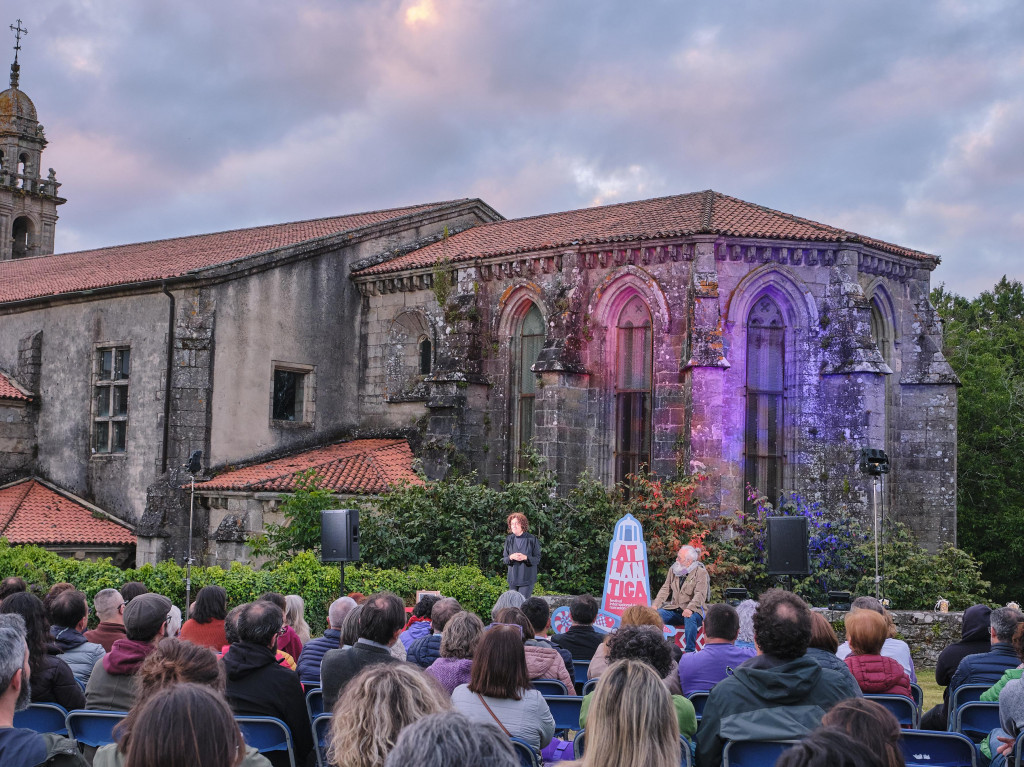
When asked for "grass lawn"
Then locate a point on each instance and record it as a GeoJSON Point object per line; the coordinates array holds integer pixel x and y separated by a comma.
{"type": "Point", "coordinates": [932, 692]}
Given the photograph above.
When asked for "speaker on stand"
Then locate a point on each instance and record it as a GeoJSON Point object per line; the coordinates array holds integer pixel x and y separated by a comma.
{"type": "Point", "coordinates": [788, 539]}
{"type": "Point", "coordinates": [339, 538]}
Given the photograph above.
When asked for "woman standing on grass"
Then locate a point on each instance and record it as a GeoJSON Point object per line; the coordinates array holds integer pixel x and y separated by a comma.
{"type": "Point", "coordinates": [522, 555]}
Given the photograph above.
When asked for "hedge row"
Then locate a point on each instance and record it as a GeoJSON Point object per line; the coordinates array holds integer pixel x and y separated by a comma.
{"type": "Point", "coordinates": [317, 584]}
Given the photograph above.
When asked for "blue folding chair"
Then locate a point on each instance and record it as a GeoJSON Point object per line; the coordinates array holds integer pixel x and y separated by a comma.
{"type": "Point", "coordinates": [699, 699]}
{"type": "Point", "coordinates": [918, 693]}
{"type": "Point", "coordinates": [902, 707]}
{"type": "Point", "coordinates": [589, 687]}
{"type": "Point", "coordinates": [267, 733]}
{"type": "Point", "coordinates": [753, 753]}
{"type": "Point", "coordinates": [927, 748]}
{"type": "Point", "coordinates": [528, 755]}
{"type": "Point", "coordinates": [965, 693]}
{"type": "Point", "coordinates": [321, 730]}
{"type": "Point", "coordinates": [314, 703]}
{"type": "Point", "coordinates": [93, 728]}
{"type": "Point", "coordinates": [566, 711]}
{"type": "Point", "coordinates": [684, 747]}
{"type": "Point", "coordinates": [579, 673]}
{"type": "Point", "coordinates": [976, 719]}
{"type": "Point", "coordinates": [43, 717]}
{"type": "Point", "coordinates": [549, 687]}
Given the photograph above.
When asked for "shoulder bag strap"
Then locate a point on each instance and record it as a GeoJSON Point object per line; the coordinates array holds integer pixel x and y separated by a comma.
{"type": "Point", "coordinates": [481, 697]}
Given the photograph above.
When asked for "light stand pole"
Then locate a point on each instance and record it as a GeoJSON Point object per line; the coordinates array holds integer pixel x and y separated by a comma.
{"type": "Point", "coordinates": [192, 467]}
{"type": "Point", "coordinates": [875, 463]}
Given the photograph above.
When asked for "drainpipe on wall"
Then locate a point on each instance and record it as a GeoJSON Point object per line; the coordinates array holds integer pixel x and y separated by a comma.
{"type": "Point", "coordinates": [170, 369]}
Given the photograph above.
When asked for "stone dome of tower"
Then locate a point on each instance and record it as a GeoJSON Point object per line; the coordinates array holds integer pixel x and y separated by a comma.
{"type": "Point", "coordinates": [15, 104]}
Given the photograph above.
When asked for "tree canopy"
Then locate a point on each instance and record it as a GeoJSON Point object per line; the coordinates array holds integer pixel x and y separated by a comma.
{"type": "Point", "coordinates": [984, 342]}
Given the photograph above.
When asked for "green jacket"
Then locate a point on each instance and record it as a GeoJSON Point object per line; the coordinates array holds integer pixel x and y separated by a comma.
{"type": "Point", "coordinates": [768, 699]}
{"type": "Point", "coordinates": [991, 695]}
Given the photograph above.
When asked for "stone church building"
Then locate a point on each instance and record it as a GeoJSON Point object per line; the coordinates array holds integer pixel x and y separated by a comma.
{"type": "Point", "coordinates": [663, 333]}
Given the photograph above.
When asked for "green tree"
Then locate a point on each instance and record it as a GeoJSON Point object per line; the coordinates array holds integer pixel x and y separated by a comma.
{"type": "Point", "coordinates": [984, 342]}
{"type": "Point", "coordinates": [301, 531]}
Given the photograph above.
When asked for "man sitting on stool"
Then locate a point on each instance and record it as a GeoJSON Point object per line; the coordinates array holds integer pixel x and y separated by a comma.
{"type": "Point", "coordinates": [681, 600]}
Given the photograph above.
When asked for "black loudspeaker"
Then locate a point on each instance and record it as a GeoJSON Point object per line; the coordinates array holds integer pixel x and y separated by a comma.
{"type": "Point", "coordinates": [339, 535]}
{"type": "Point", "coordinates": [787, 546]}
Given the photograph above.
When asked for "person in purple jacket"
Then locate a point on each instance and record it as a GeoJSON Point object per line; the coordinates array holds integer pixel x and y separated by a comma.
{"type": "Point", "coordinates": [703, 670]}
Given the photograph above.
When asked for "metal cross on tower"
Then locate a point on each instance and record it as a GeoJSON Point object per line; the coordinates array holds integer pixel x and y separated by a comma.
{"type": "Point", "coordinates": [18, 32]}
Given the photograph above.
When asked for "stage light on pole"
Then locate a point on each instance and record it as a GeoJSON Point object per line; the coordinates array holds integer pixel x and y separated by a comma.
{"type": "Point", "coordinates": [193, 467]}
{"type": "Point", "coordinates": [875, 463]}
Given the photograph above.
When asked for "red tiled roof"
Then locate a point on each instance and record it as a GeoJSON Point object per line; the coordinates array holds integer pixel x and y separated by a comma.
{"type": "Point", "coordinates": [360, 466]}
{"type": "Point", "coordinates": [27, 278]}
{"type": "Point", "coordinates": [10, 390]}
{"type": "Point", "coordinates": [32, 512]}
{"type": "Point", "coordinates": [706, 212]}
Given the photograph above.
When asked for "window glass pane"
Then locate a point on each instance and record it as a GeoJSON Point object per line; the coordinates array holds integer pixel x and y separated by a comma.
{"type": "Point", "coordinates": [425, 357]}
{"type": "Point", "coordinates": [763, 438]}
{"type": "Point", "coordinates": [531, 346]}
{"type": "Point", "coordinates": [121, 363]}
{"type": "Point", "coordinates": [120, 431]}
{"type": "Point", "coordinates": [102, 395]}
{"type": "Point", "coordinates": [106, 364]}
{"type": "Point", "coordinates": [120, 396]}
{"type": "Point", "coordinates": [286, 395]}
{"type": "Point", "coordinates": [533, 322]}
{"type": "Point", "coordinates": [525, 422]}
{"type": "Point", "coordinates": [100, 437]}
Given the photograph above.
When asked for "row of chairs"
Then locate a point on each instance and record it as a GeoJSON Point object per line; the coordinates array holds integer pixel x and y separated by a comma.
{"type": "Point", "coordinates": [96, 728]}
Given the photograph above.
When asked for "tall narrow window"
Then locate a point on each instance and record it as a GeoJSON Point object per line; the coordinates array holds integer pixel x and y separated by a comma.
{"type": "Point", "coordinates": [633, 391]}
{"type": "Point", "coordinates": [426, 356]}
{"type": "Point", "coordinates": [528, 343]}
{"type": "Point", "coordinates": [881, 332]}
{"type": "Point", "coordinates": [763, 443]}
{"type": "Point", "coordinates": [110, 400]}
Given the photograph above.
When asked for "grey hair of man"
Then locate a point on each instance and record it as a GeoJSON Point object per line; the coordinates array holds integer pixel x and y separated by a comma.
{"type": "Point", "coordinates": [450, 739]}
{"type": "Point", "coordinates": [13, 650]}
{"type": "Point", "coordinates": [442, 612]}
{"type": "Point", "coordinates": [1003, 621]}
{"type": "Point", "coordinates": [350, 627]}
{"type": "Point", "coordinates": [689, 552]}
{"type": "Point", "coordinates": [507, 599]}
{"type": "Point", "coordinates": [745, 610]}
{"type": "Point", "coordinates": [867, 603]}
{"type": "Point", "coordinates": [106, 603]}
{"type": "Point", "coordinates": [339, 609]}
{"type": "Point", "coordinates": [461, 636]}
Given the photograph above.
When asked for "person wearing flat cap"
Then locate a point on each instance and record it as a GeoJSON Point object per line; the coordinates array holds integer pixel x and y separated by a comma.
{"type": "Point", "coordinates": [112, 683]}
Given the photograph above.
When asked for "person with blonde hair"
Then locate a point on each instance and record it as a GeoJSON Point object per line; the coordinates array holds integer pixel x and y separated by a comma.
{"type": "Point", "coordinates": [295, 608]}
{"type": "Point", "coordinates": [631, 721]}
{"type": "Point", "coordinates": [378, 702]}
{"type": "Point", "coordinates": [866, 632]}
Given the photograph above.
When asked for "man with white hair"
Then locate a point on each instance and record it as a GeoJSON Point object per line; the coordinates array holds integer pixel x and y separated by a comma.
{"type": "Point", "coordinates": [686, 591]}
{"type": "Point", "coordinates": [314, 650]}
{"type": "Point", "coordinates": [20, 747]}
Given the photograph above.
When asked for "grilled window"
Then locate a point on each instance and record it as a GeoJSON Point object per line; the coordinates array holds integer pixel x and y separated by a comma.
{"type": "Point", "coordinates": [633, 390]}
{"type": "Point", "coordinates": [110, 400]}
{"type": "Point", "coordinates": [763, 443]}
{"type": "Point", "coordinates": [528, 342]}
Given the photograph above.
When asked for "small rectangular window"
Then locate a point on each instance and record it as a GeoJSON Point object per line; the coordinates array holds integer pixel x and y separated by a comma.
{"type": "Point", "coordinates": [292, 394]}
{"type": "Point", "coordinates": [110, 400]}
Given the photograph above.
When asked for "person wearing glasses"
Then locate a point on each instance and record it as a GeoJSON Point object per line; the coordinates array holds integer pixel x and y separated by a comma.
{"type": "Point", "coordinates": [521, 555]}
{"type": "Point", "coordinates": [109, 606]}
{"type": "Point", "coordinates": [499, 690]}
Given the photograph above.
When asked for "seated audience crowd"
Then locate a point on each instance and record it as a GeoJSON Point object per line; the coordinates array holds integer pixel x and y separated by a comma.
{"type": "Point", "coordinates": [437, 687]}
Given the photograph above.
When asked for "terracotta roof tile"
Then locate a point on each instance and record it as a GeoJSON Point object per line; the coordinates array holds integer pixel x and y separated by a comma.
{"type": "Point", "coordinates": [11, 390]}
{"type": "Point", "coordinates": [361, 466]}
{"type": "Point", "coordinates": [32, 512]}
{"type": "Point", "coordinates": [26, 278]}
{"type": "Point", "coordinates": [681, 215]}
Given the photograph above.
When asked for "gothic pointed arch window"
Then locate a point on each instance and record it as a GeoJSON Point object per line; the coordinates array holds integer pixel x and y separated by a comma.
{"type": "Point", "coordinates": [764, 454]}
{"type": "Point", "coordinates": [882, 333]}
{"type": "Point", "coordinates": [634, 352]}
{"type": "Point", "coordinates": [526, 345]}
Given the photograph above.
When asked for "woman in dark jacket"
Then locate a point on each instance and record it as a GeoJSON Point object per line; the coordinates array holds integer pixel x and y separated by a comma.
{"type": "Point", "coordinates": [522, 555]}
{"type": "Point", "coordinates": [52, 679]}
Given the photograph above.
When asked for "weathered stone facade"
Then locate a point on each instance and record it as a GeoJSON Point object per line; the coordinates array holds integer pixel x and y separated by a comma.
{"type": "Point", "coordinates": [859, 361]}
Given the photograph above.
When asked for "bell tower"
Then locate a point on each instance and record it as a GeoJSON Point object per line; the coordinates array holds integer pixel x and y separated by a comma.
{"type": "Point", "coordinates": [28, 202]}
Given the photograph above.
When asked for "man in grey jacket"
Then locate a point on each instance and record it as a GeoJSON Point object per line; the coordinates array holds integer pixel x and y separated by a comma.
{"type": "Point", "coordinates": [69, 615]}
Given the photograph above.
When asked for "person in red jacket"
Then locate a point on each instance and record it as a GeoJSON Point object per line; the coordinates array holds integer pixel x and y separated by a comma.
{"type": "Point", "coordinates": [866, 631]}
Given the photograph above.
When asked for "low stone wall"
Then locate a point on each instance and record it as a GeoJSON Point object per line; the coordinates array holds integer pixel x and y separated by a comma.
{"type": "Point", "coordinates": [927, 632]}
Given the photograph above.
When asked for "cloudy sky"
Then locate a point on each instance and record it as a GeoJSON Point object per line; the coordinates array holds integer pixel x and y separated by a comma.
{"type": "Point", "coordinates": [902, 120]}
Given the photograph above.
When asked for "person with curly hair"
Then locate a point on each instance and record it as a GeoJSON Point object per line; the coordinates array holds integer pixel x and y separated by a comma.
{"type": "Point", "coordinates": [521, 554]}
{"type": "Point", "coordinates": [646, 644]}
{"type": "Point", "coordinates": [378, 702]}
{"type": "Point", "coordinates": [779, 691]}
